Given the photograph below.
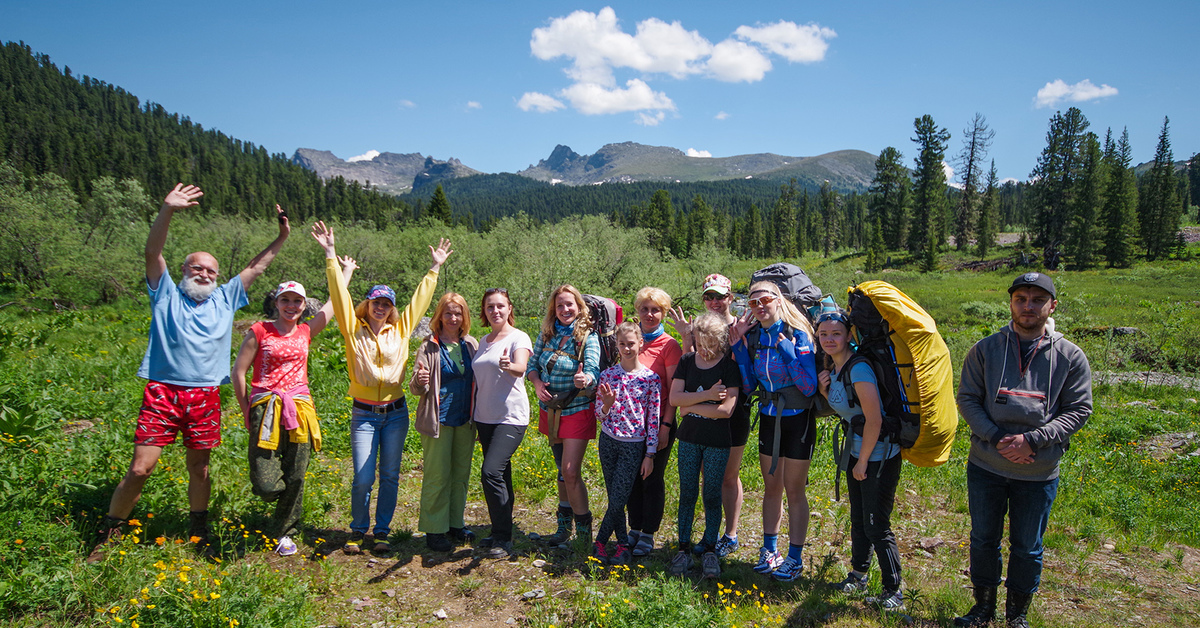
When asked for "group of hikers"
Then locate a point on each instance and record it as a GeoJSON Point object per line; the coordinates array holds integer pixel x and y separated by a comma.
{"type": "Point", "coordinates": [1024, 391]}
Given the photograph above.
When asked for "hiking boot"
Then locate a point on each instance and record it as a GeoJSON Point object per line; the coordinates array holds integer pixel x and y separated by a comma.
{"type": "Point", "coordinates": [851, 584]}
{"type": "Point", "coordinates": [983, 612]}
{"type": "Point", "coordinates": [382, 548]}
{"type": "Point", "coordinates": [461, 535]}
{"type": "Point", "coordinates": [788, 570]}
{"type": "Point", "coordinates": [105, 537]}
{"type": "Point", "coordinates": [623, 556]}
{"type": "Point", "coordinates": [889, 600]}
{"type": "Point", "coordinates": [680, 564]}
{"type": "Point", "coordinates": [645, 545]}
{"type": "Point", "coordinates": [286, 546]}
{"type": "Point", "coordinates": [200, 535]}
{"type": "Point", "coordinates": [768, 561]}
{"type": "Point", "coordinates": [583, 527]}
{"type": "Point", "coordinates": [500, 550]}
{"type": "Point", "coordinates": [353, 546]}
{"type": "Point", "coordinates": [711, 565]}
{"type": "Point", "coordinates": [600, 552]}
{"type": "Point", "coordinates": [438, 543]}
{"type": "Point", "coordinates": [563, 534]}
{"type": "Point", "coordinates": [726, 546]}
{"type": "Point", "coordinates": [1016, 606]}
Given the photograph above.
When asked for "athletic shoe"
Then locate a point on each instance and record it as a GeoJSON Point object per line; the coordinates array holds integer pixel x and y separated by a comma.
{"type": "Point", "coordinates": [382, 548]}
{"type": "Point", "coordinates": [851, 584]}
{"type": "Point", "coordinates": [888, 600]}
{"type": "Point", "coordinates": [500, 550]}
{"type": "Point", "coordinates": [286, 546]}
{"type": "Point", "coordinates": [600, 552]}
{"type": "Point", "coordinates": [645, 545]}
{"type": "Point", "coordinates": [623, 556]}
{"type": "Point", "coordinates": [353, 545]}
{"type": "Point", "coordinates": [768, 561]}
{"type": "Point", "coordinates": [701, 548]}
{"type": "Point", "coordinates": [726, 546]}
{"type": "Point", "coordinates": [680, 564]}
{"type": "Point", "coordinates": [711, 565]}
{"type": "Point", "coordinates": [789, 570]}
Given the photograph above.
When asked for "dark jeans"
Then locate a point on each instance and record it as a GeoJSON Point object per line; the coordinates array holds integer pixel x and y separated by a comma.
{"type": "Point", "coordinates": [871, 503]}
{"type": "Point", "coordinates": [499, 442]}
{"type": "Point", "coordinates": [1027, 504]}
{"type": "Point", "coordinates": [278, 476]}
{"type": "Point", "coordinates": [649, 494]}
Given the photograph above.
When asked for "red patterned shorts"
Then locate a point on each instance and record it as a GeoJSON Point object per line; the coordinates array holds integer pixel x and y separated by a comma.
{"type": "Point", "coordinates": [168, 409]}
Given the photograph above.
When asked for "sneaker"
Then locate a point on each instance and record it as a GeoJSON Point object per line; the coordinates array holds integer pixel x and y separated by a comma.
{"type": "Point", "coordinates": [104, 538]}
{"type": "Point", "coordinates": [461, 535]}
{"type": "Point", "coordinates": [789, 570]}
{"type": "Point", "coordinates": [623, 556]}
{"type": "Point", "coordinates": [888, 600]}
{"type": "Point", "coordinates": [600, 552]}
{"type": "Point", "coordinates": [768, 560]}
{"type": "Point", "coordinates": [645, 545]}
{"type": "Point", "coordinates": [711, 565]}
{"type": "Point", "coordinates": [726, 546]}
{"type": "Point", "coordinates": [438, 543]}
{"type": "Point", "coordinates": [680, 564]}
{"type": "Point", "coordinates": [382, 548]}
{"type": "Point", "coordinates": [286, 546]}
{"type": "Point", "coordinates": [702, 547]}
{"type": "Point", "coordinates": [500, 550]}
{"type": "Point", "coordinates": [851, 584]}
{"type": "Point", "coordinates": [353, 545]}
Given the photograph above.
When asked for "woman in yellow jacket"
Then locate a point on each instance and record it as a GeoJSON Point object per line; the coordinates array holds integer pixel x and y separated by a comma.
{"type": "Point", "coordinates": [376, 336]}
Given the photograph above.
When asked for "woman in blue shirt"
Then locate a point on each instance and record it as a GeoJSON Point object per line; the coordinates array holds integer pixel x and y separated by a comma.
{"type": "Point", "coordinates": [872, 478]}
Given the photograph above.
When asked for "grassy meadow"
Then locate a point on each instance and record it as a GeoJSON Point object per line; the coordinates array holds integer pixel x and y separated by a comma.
{"type": "Point", "coordinates": [1121, 548]}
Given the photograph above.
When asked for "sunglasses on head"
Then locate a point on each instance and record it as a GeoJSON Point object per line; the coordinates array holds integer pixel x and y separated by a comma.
{"type": "Point", "coordinates": [490, 291]}
{"type": "Point", "coordinates": [762, 301]}
{"type": "Point", "coordinates": [838, 317]}
{"type": "Point", "coordinates": [713, 296]}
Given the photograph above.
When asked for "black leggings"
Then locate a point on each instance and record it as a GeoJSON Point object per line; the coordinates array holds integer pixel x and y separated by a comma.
{"type": "Point", "coordinates": [621, 462]}
{"type": "Point", "coordinates": [649, 495]}
{"type": "Point", "coordinates": [871, 503]}
{"type": "Point", "coordinates": [694, 460]}
{"type": "Point", "coordinates": [499, 442]}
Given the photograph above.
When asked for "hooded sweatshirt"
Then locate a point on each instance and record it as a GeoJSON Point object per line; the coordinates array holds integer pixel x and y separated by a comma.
{"type": "Point", "coordinates": [1047, 398]}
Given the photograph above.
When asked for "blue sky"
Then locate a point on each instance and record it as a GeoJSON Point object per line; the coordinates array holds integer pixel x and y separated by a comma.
{"type": "Point", "coordinates": [499, 84]}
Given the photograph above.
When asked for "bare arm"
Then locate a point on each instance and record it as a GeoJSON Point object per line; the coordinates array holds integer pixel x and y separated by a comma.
{"type": "Point", "coordinates": [321, 318]}
{"type": "Point", "coordinates": [259, 264]}
{"type": "Point", "coordinates": [681, 398]}
{"type": "Point", "coordinates": [868, 402]}
{"type": "Point", "coordinates": [723, 410]}
{"type": "Point", "coordinates": [179, 198]}
{"type": "Point", "coordinates": [241, 366]}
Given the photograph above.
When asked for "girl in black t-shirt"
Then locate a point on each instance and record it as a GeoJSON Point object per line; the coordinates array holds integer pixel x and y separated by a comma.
{"type": "Point", "coordinates": [705, 388]}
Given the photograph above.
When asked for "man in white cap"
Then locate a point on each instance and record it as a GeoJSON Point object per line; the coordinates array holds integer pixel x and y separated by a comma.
{"type": "Point", "coordinates": [1024, 391]}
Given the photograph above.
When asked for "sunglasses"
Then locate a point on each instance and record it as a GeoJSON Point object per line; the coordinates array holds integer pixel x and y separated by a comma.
{"type": "Point", "coordinates": [490, 291]}
{"type": "Point", "coordinates": [713, 296]}
{"type": "Point", "coordinates": [762, 301]}
{"type": "Point", "coordinates": [833, 316]}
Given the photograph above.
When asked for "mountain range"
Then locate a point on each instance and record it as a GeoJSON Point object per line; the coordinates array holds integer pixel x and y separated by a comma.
{"type": "Point", "coordinates": [626, 162]}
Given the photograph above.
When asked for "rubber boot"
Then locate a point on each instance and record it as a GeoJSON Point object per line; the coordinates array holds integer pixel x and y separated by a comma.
{"type": "Point", "coordinates": [1016, 605]}
{"type": "Point", "coordinates": [984, 610]}
{"type": "Point", "coordinates": [564, 528]}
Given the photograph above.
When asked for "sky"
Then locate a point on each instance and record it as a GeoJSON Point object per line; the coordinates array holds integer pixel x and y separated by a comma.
{"type": "Point", "coordinates": [498, 85]}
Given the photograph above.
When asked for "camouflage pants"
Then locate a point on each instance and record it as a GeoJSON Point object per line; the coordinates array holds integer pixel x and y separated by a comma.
{"type": "Point", "coordinates": [278, 476]}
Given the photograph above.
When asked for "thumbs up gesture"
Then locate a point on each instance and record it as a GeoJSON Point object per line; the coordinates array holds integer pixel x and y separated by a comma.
{"type": "Point", "coordinates": [581, 378]}
{"type": "Point", "coordinates": [718, 391]}
{"type": "Point", "coordinates": [505, 362]}
{"type": "Point", "coordinates": [422, 375]}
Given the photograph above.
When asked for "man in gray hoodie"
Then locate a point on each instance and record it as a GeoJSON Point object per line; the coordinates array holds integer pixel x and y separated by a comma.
{"type": "Point", "coordinates": [1024, 391]}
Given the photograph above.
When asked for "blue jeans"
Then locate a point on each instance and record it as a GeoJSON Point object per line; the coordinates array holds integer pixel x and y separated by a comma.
{"type": "Point", "coordinates": [376, 438]}
{"type": "Point", "coordinates": [1027, 504]}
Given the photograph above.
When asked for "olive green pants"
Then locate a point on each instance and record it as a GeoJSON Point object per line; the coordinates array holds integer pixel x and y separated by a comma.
{"type": "Point", "coordinates": [278, 476]}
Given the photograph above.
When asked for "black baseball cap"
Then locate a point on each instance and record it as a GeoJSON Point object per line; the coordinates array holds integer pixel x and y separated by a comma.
{"type": "Point", "coordinates": [1038, 280]}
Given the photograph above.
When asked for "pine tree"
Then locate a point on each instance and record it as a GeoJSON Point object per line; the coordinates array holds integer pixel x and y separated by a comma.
{"type": "Point", "coordinates": [1193, 174]}
{"type": "Point", "coordinates": [976, 140]}
{"type": "Point", "coordinates": [700, 221]}
{"type": "Point", "coordinates": [784, 220]}
{"type": "Point", "coordinates": [752, 234]}
{"type": "Point", "coordinates": [929, 188]}
{"type": "Point", "coordinates": [803, 234]}
{"type": "Point", "coordinates": [830, 205]}
{"type": "Point", "coordinates": [890, 197]}
{"type": "Point", "coordinates": [1161, 207]}
{"type": "Point", "coordinates": [986, 228]}
{"type": "Point", "coordinates": [1055, 180]}
{"type": "Point", "coordinates": [1120, 203]}
{"type": "Point", "coordinates": [1084, 233]}
{"type": "Point", "coordinates": [875, 247]}
{"type": "Point", "coordinates": [439, 206]}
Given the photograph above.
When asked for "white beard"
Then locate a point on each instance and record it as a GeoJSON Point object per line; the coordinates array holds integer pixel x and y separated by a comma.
{"type": "Point", "coordinates": [195, 291]}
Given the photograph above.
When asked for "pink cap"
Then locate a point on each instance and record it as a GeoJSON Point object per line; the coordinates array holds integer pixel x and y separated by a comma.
{"type": "Point", "coordinates": [719, 284]}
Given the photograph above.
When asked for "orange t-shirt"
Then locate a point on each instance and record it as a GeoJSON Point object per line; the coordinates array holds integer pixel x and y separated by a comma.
{"type": "Point", "coordinates": [659, 355]}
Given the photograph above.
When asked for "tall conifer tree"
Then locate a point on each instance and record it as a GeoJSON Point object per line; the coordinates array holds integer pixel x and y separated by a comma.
{"type": "Point", "coordinates": [1120, 203]}
{"type": "Point", "coordinates": [977, 138]}
{"type": "Point", "coordinates": [986, 228]}
{"type": "Point", "coordinates": [1160, 206]}
{"type": "Point", "coordinates": [929, 188]}
{"type": "Point", "coordinates": [1083, 236]}
{"type": "Point", "coordinates": [1055, 179]}
{"type": "Point", "coordinates": [890, 197]}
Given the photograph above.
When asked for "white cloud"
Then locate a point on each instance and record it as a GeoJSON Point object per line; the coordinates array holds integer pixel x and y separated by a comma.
{"type": "Point", "coordinates": [691, 152]}
{"type": "Point", "coordinates": [473, 104]}
{"type": "Point", "coordinates": [596, 46]}
{"type": "Point", "coordinates": [949, 170]}
{"type": "Point", "coordinates": [593, 99]}
{"type": "Point", "coordinates": [649, 119]}
{"type": "Point", "coordinates": [1058, 91]}
{"type": "Point", "coordinates": [721, 115]}
{"type": "Point", "coordinates": [736, 61]}
{"type": "Point", "coordinates": [541, 103]}
{"type": "Point", "coordinates": [1007, 180]}
{"type": "Point", "coordinates": [801, 43]}
{"type": "Point", "coordinates": [367, 156]}
{"type": "Point", "coordinates": [407, 104]}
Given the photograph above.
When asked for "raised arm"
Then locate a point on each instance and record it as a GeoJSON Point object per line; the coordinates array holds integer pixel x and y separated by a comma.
{"type": "Point", "coordinates": [321, 318]}
{"type": "Point", "coordinates": [179, 198]}
{"type": "Point", "coordinates": [259, 264]}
